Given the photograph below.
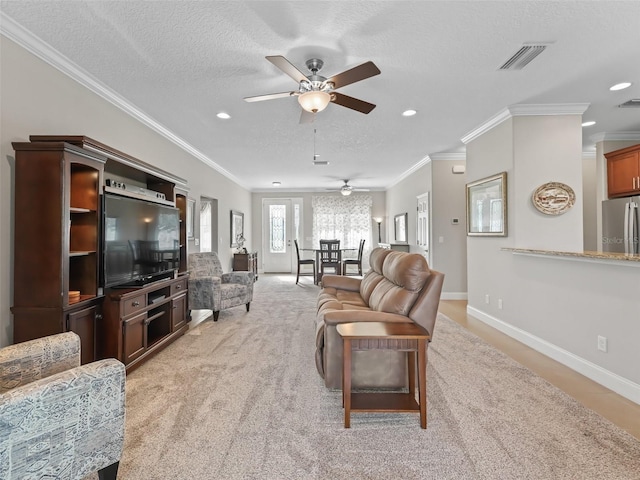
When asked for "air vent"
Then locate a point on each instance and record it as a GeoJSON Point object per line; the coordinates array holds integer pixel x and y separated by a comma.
{"type": "Point", "coordinates": [523, 56]}
{"type": "Point", "coordinates": [633, 103]}
{"type": "Point", "coordinates": [320, 162]}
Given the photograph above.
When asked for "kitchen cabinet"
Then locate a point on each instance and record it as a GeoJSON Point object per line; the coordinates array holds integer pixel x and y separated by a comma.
{"type": "Point", "coordinates": [623, 172]}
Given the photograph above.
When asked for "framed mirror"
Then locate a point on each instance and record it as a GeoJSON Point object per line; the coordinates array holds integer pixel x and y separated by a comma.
{"type": "Point", "coordinates": [237, 228]}
{"type": "Point", "coordinates": [487, 206]}
{"type": "Point", "coordinates": [400, 227]}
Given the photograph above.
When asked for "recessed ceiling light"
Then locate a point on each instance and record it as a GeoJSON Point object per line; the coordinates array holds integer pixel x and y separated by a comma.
{"type": "Point", "coordinates": [409, 113]}
{"type": "Point", "coordinates": [620, 86]}
{"type": "Point", "coordinates": [223, 115]}
{"type": "Point", "coordinates": [276, 184]}
{"type": "Point", "coordinates": [588, 124]}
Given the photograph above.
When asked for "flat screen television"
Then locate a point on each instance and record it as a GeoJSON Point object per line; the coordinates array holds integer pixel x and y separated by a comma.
{"type": "Point", "coordinates": [141, 241]}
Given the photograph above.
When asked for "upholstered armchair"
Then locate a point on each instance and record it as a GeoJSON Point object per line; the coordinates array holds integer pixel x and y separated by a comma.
{"type": "Point", "coordinates": [210, 289]}
{"type": "Point", "coordinates": [58, 419]}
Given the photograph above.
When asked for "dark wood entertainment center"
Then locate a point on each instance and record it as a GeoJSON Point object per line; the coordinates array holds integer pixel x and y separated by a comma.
{"type": "Point", "coordinates": [58, 251]}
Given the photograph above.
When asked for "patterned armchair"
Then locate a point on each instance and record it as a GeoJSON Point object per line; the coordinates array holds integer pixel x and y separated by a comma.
{"type": "Point", "coordinates": [59, 420]}
{"type": "Point", "coordinates": [210, 289]}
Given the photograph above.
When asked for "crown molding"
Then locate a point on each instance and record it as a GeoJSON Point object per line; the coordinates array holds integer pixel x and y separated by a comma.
{"type": "Point", "coordinates": [425, 160]}
{"type": "Point", "coordinates": [613, 136]}
{"type": "Point", "coordinates": [18, 34]}
{"type": "Point", "coordinates": [449, 156]}
{"type": "Point", "coordinates": [525, 110]}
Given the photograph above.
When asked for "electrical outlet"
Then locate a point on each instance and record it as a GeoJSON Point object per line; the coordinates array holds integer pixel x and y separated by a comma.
{"type": "Point", "coordinates": [499, 304]}
{"type": "Point", "coordinates": [602, 343]}
{"type": "Point", "coordinates": [486, 299]}
{"type": "Point", "coordinates": [196, 241]}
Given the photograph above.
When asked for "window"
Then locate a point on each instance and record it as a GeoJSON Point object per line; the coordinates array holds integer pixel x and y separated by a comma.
{"type": "Point", "coordinates": [347, 219]}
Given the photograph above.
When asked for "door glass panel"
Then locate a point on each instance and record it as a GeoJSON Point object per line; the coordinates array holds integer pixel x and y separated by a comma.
{"type": "Point", "coordinates": [277, 228]}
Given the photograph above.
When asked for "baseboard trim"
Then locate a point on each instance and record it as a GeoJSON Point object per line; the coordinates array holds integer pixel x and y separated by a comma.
{"type": "Point", "coordinates": [453, 296]}
{"type": "Point", "coordinates": [612, 381]}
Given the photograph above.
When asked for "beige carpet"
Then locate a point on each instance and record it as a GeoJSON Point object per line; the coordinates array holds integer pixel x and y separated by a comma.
{"type": "Point", "coordinates": [241, 399]}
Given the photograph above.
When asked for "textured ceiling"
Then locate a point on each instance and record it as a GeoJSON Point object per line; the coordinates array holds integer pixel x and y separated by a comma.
{"type": "Point", "coordinates": [182, 62]}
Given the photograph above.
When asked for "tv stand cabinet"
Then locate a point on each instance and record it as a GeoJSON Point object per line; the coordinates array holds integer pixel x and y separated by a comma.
{"type": "Point", "coordinates": [139, 322]}
{"type": "Point", "coordinates": [59, 238]}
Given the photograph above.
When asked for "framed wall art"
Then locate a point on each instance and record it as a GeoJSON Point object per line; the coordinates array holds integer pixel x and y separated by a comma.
{"type": "Point", "coordinates": [400, 227]}
{"type": "Point", "coordinates": [487, 206]}
{"type": "Point", "coordinates": [237, 228]}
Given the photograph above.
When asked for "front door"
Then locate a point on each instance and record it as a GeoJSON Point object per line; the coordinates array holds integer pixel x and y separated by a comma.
{"type": "Point", "coordinates": [423, 227]}
{"type": "Point", "coordinates": [277, 235]}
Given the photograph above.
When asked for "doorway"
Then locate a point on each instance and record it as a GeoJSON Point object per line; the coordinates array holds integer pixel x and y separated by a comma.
{"type": "Point", "coordinates": [423, 227]}
{"type": "Point", "coordinates": [281, 224]}
{"type": "Point", "coordinates": [208, 224]}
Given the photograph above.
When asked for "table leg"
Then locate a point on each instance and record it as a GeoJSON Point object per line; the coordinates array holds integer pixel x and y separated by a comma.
{"type": "Point", "coordinates": [422, 381]}
{"type": "Point", "coordinates": [346, 382]}
{"type": "Point", "coordinates": [317, 279]}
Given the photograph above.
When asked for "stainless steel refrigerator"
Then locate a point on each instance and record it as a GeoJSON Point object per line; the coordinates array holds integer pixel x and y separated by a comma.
{"type": "Point", "coordinates": [620, 225]}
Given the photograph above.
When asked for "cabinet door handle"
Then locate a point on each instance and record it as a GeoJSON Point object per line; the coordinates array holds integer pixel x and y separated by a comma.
{"type": "Point", "coordinates": [178, 287]}
{"type": "Point", "coordinates": [135, 304]}
{"type": "Point", "coordinates": [634, 183]}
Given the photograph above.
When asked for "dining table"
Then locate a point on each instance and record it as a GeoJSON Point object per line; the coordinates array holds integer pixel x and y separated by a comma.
{"type": "Point", "coordinates": [317, 251]}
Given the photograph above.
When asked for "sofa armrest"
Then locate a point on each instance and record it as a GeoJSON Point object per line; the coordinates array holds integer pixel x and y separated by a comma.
{"type": "Point", "coordinates": [337, 317]}
{"type": "Point", "coordinates": [204, 292]}
{"type": "Point", "coordinates": [73, 420]}
{"type": "Point", "coordinates": [340, 282]}
{"type": "Point", "coordinates": [244, 278]}
{"type": "Point", "coordinates": [26, 362]}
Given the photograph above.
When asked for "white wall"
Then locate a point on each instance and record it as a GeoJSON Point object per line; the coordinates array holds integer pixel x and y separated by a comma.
{"type": "Point", "coordinates": [447, 198]}
{"type": "Point", "coordinates": [546, 148]}
{"type": "Point", "coordinates": [589, 203]}
{"type": "Point", "coordinates": [38, 99]}
{"type": "Point", "coordinates": [555, 305]}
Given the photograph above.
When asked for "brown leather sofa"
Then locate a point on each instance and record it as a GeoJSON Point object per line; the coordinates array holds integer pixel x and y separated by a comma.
{"type": "Point", "coordinates": [399, 287]}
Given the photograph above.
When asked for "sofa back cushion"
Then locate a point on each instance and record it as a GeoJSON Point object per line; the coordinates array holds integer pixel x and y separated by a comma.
{"type": "Point", "coordinates": [403, 277]}
{"type": "Point", "coordinates": [371, 279]}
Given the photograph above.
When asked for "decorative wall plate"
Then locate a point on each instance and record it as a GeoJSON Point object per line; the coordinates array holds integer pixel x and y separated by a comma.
{"type": "Point", "coordinates": [553, 198]}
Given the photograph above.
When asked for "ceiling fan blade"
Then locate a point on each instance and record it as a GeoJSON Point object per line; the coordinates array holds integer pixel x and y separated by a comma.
{"type": "Point", "coordinates": [270, 96]}
{"type": "Point", "coordinates": [287, 67]}
{"type": "Point", "coordinates": [307, 117]}
{"type": "Point", "coordinates": [352, 103]}
{"type": "Point", "coordinates": [355, 74]}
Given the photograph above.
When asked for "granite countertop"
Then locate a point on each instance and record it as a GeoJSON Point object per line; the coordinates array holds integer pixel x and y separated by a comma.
{"type": "Point", "coordinates": [593, 255]}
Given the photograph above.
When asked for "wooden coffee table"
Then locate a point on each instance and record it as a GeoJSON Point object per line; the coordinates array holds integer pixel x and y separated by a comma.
{"type": "Point", "coordinates": [352, 334]}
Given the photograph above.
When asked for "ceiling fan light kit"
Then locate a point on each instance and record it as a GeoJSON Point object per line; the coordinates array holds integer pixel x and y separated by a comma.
{"type": "Point", "coordinates": [314, 101]}
{"type": "Point", "coordinates": [346, 190]}
{"type": "Point", "coordinates": [315, 92]}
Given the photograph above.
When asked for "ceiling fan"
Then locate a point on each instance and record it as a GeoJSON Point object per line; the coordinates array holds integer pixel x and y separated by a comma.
{"type": "Point", "coordinates": [315, 92]}
{"type": "Point", "coordinates": [346, 189]}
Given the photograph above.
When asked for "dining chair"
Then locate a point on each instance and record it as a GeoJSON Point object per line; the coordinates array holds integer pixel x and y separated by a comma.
{"type": "Point", "coordinates": [304, 261]}
{"type": "Point", "coordinates": [354, 261]}
{"type": "Point", "coordinates": [330, 257]}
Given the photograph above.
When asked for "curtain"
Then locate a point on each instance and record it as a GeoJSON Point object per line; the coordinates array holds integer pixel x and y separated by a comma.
{"type": "Point", "coordinates": [347, 219]}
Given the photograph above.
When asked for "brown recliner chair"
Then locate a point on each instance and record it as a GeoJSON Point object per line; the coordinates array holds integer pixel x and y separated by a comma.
{"type": "Point", "coordinates": [400, 287]}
